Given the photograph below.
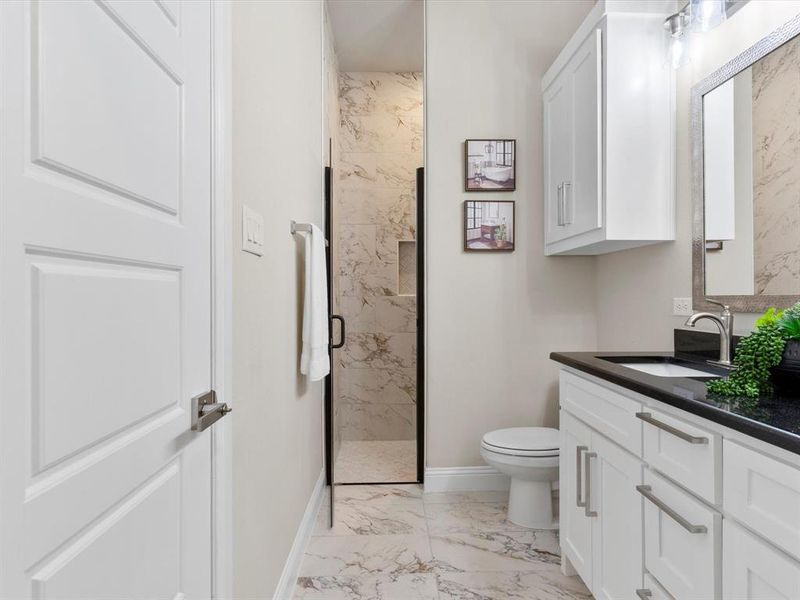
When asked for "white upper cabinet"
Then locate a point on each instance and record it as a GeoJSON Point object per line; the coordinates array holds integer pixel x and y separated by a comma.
{"type": "Point", "coordinates": [609, 134]}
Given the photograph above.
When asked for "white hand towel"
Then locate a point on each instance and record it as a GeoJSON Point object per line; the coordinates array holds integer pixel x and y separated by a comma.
{"type": "Point", "coordinates": [314, 361]}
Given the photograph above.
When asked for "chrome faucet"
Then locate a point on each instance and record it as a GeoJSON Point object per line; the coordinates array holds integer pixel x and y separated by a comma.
{"type": "Point", "coordinates": [724, 322]}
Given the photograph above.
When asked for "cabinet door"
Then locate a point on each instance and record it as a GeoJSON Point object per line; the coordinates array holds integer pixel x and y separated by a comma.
{"type": "Point", "coordinates": [763, 494]}
{"type": "Point", "coordinates": [575, 525]}
{"type": "Point", "coordinates": [583, 191]}
{"type": "Point", "coordinates": [557, 154]}
{"type": "Point", "coordinates": [617, 537]}
{"type": "Point", "coordinates": [753, 570]}
{"type": "Point", "coordinates": [681, 540]}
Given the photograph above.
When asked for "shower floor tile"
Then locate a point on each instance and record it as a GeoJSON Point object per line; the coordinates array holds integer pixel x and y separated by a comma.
{"type": "Point", "coordinates": [376, 462]}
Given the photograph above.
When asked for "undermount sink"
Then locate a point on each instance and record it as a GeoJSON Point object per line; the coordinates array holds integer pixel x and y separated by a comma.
{"type": "Point", "coordinates": [665, 366]}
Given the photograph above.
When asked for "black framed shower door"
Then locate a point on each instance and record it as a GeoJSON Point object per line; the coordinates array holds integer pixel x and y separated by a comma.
{"type": "Point", "coordinates": [330, 400]}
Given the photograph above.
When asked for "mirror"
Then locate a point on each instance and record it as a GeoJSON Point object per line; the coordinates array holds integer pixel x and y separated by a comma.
{"type": "Point", "coordinates": [746, 162]}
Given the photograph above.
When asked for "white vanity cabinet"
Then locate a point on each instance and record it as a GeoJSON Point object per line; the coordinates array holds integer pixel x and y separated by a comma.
{"type": "Point", "coordinates": [600, 509]}
{"type": "Point", "coordinates": [609, 134]}
{"type": "Point", "coordinates": [658, 503]}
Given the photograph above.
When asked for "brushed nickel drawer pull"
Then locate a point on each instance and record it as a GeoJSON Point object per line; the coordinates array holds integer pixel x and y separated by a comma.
{"type": "Point", "coordinates": [578, 493]}
{"type": "Point", "coordinates": [644, 594]}
{"type": "Point", "coordinates": [565, 187]}
{"type": "Point", "coordinates": [588, 474]}
{"type": "Point", "coordinates": [692, 439]}
{"type": "Point", "coordinates": [647, 492]}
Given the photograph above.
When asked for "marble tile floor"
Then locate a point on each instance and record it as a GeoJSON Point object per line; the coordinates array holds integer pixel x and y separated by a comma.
{"type": "Point", "coordinates": [396, 543]}
{"type": "Point", "coordinates": [376, 461]}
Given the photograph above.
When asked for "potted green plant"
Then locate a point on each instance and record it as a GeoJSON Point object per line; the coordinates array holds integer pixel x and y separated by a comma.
{"type": "Point", "coordinates": [787, 373]}
{"type": "Point", "coordinates": [756, 356]}
{"type": "Point", "coordinates": [501, 236]}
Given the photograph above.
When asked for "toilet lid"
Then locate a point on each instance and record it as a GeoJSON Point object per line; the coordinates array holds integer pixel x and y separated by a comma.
{"type": "Point", "coordinates": [541, 441]}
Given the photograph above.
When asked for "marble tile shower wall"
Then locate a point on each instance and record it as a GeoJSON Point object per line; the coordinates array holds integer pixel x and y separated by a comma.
{"type": "Point", "coordinates": [380, 147]}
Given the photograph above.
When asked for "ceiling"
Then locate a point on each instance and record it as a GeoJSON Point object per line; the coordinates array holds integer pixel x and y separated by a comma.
{"type": "Point", "coordinates": [378, 35]}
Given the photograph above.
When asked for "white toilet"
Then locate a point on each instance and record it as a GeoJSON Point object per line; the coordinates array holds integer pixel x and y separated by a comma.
{"type": "Point", "coordinates": [529, 455]}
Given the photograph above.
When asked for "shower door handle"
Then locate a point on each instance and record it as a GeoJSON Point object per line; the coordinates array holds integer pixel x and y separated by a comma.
{"type": "Point", "coordinates": [342, 336]}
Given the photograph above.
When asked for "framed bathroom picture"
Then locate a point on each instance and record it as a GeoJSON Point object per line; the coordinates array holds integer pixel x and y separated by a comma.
{"type": "Point", "coordinates": [489, 226]}
{"type": "Point", "coordinates": [490, 165]}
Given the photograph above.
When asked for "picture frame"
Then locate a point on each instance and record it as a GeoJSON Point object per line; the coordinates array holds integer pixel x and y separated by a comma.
{"type": "Point", "coordinates": [489, 225]}
{"type": "Point", "coordinates": [490, 165]}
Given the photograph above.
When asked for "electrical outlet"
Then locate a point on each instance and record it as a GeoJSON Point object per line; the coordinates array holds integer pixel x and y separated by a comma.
{"type": "Point", "coordinates": [682, 307]}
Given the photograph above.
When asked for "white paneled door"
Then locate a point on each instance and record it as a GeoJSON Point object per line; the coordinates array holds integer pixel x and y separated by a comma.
{"type": "Point", "coordinates": [105, 310]}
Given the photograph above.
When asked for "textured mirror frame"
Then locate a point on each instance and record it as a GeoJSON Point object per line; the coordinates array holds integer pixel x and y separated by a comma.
{"type": "Point", "coordinates": [746, 304]}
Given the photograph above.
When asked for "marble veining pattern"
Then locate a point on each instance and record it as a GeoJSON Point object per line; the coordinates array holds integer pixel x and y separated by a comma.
{"type": "Point", "coordinates": [379, 351]}
{"type": "Point", "coordinates": [375, 461]}
{"type": "Point", "coordinates": [390, 386]}
{"type": "Point", "coordinates": [379, 149]}
{"type": "Point", "coordinates": [377, 422]}
{"type": "Point", "coordinates": [776, 179]}
{"type": "Point", "coordinates": [419, 586]}
{"type": "Point", "coordinates": [393, 542]}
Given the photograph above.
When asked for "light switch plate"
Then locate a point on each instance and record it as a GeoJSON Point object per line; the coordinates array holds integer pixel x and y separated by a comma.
{"type": "Point", "coordinates": [252, 231]}
{"type": "Point", "coordinates": [682, 307]}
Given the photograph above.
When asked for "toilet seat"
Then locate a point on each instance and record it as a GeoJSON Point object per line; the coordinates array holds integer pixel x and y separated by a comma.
{"type": "Point", "coordinates": [541, 442]}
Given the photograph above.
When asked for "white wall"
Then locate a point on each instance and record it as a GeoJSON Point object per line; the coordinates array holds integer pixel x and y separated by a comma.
{"type": "Point", "coordinates": [493, 319]}
{"type": "Point", "coordinates": [277, 424]}
{"type": "Point", "coordinates": [635, 288]}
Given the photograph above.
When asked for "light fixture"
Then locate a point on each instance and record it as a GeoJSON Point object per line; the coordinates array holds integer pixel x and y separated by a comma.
{"type": "Point", "coordinates": [706, 14]}
{"type": "Point", "coordinates": [698, 16]}
{"type": "Point", "coordinates": [677, 44]}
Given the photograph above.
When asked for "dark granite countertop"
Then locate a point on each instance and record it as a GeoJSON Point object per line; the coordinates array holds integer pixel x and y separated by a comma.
{"type": "Point", "coordinates": [772, 419]}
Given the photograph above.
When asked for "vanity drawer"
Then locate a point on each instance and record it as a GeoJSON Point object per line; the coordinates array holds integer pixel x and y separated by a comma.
{"type": "Point", "coordinates": [652, 590]}
{"type": "Point", "coordinates": [609, 412]}
{"type": "Point", "coordinates": [754, 570]}
{"type": "Point", "coordinates": [681, 540]}
{"type": "Point", "coordinates": [685, 453]}
{"type": "Point", "coordinates": [764, 494]}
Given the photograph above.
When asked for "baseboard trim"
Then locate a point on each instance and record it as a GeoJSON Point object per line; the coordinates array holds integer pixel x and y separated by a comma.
{"type": "Point", "coordinates": [464, 479]}
{"type": "Point", "coordinates": [286, 583]}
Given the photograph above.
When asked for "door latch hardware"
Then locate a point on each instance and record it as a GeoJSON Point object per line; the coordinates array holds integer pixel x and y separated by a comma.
{"type": "Point", "coordinates": [206, 410]}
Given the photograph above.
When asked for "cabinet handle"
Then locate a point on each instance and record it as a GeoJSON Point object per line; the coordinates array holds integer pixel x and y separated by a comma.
{"type": "Point", "coordinates": [566, 186]}
{"type": "Point", "coordinates": [559, 211]}
{"type": "Point", "coordinates": [692, 439]}
{"type": "Point", "coordinates": [587, 467]}
{"type": "Point", "coordinates": [644, 594]}
{"type": "Point", "coordinates": [647, 492]}
{"type": "Point", "coordinates": [578, 451]}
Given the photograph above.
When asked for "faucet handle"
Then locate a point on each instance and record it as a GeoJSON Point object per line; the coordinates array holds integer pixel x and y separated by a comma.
{"type": "Point", "coordinates": [725, 307]}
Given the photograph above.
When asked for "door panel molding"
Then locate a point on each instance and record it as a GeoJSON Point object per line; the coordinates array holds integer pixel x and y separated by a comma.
{"type": "Point", "coordinates": [47, 567]}
{"type": "Point", "coordinates": [64, 136]}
